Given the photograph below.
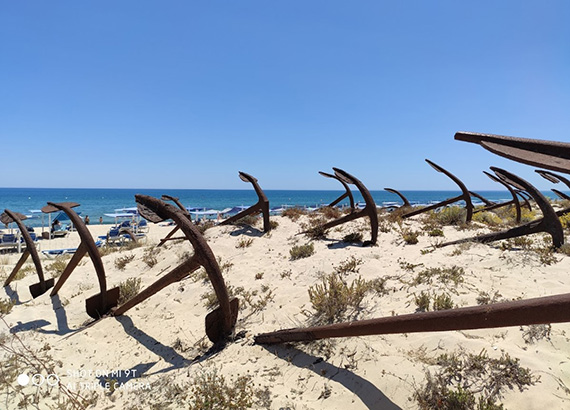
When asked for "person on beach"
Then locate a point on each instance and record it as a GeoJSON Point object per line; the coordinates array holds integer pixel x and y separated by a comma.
{"type": "Point", "coordinates": [100, 220]}
{"type": "Point", "coordinates": [86, 219]}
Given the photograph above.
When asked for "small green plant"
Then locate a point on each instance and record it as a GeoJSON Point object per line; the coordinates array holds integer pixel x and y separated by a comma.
{"type": "Point", "coordinates": [468, 381]}
{"type": "Point", "coordinates": [546, 255]}
{"type": "Point", "coordinates": [354, 237]}
{"type": "Point", "coordinates": [409, 236]}
{"type": "Point", "coordinates": [128, 289]}
{"type": "Point", "coordinates": [442, 302]}
{"type": "Point", "coordinates": [210, 390]}
{"type": "Point", "coordinates": [486, 298]}
{"type": "Point", "coordinates": [350, 265]}
{"type": "Point", "coordinates": [57, 267]}
{"type": "Point", "coordinates": [487, 218]}
{"type": "Point", "coordinates": [286, 274]}
{"type": "Point", "coordinates": [203, 226]}
{"type": "Point", "coordinates": [149, 256]}
{"type": "Point", "coordinates": [314, 229]}
{"type": "Point", "coordinates": [435, 232]}
{"type": "Point", "coordinates": [335, 300]}
{"type": "Point", "coordinates": [534, 333]}
{"type": "Point", "coordinates": [294, 213]}
{"type": "Point", "coordinates": [453, 274]}
{"type": "Point", "coordinates": [244, 243]}
{"type": "Point", "coordinates": [330, 212]}
{"type": "Point", "coordinates": [6, 305]}
{"type": "Point", "coordinates": [301, 251]}
{"type": "Point", "coordinates": [122, 261]}
{"type": "Point", "coordinates": [273, 223]}
{"type": "Point", "coordinates": [250, 220]}
{"type": "Point", "coordinates": [451, 215]}
{"type": "Point", "coordinates": [422, 301]}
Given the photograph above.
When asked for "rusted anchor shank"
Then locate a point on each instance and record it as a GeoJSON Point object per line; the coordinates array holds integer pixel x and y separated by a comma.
{"type": "Point", "coordinates": [36, 289]}
{"type": "Point", "coordinates": [172, 232]}
{"type": "Point", "coordinates": [551, 155]}
{"type": "Point", "coordinates": [262, 204]}
{"type": "Point", "coordinates": [549, 309]}
{"type": "Point", "coordinates": [402, 197]}
{"type": "Point", "coordinates": [220, 322]}
{"type": "Point", "coordinates": [513, 201]}
{"type": "Point", "coordinates": [555, 178]}
{"type": "Point", "coordinates": [548, 223]}
{"type": "Point", "coordinates": [347, 194]}
{"type": "Point", "coordinates": [465, 196]}
{"type": "Point", "coordinates": [369, 209]}
{"type": "Point", "coordinates": [97, 305]}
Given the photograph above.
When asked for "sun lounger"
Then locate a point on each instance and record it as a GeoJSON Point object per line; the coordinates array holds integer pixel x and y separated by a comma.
{"type": "Point", "coordinates": [65, 251]}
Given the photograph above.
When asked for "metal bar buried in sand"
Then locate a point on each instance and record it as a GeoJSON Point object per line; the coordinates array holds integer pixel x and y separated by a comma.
{"type": "Point", "coordinates": [100, 304]}
{"type": "Point", "coordinates": [220, 322]}
{"type": "Point", "coordinates": [262, 204]}
{"type": "Point", "coordinates": [465, 196]}
{"type": "Point", "coordinates": [549, 309]}
{"type": "Point", "coordinates": [43, 285]}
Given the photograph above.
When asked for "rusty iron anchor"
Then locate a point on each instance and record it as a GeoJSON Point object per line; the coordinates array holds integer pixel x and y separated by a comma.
{"type": "Point", "coordinates": [548, 223]}
{"type": "Point", "coordinates": [369, 209]}
{"type": "Point", "coordinates": [172, 232]}
{"type": "Point", "coordinates": [347, 194]}
{"type": "Point", "coordinates": [513, 201]}
{"type": "Point", "coordinates": [43, 285]}
{"type": "Point", "coordinates": [100, 304]}
{"type": "Point", "coordinates": [550, 309]}
{"type": "Point", "coordinates": [262, 204]}
{"type": "Point", "coordinates": [555, 178]}
{"type": "Point", "coordinates": [543, 310]}
{"type": "Point", "coordinates": [551, 155]}
{"type": "Point", "coordinates": [402, 197]}
{"type": "Point", "coordinates": [465, 196]}
{"type": "Point", "coordinates": [221, 321]}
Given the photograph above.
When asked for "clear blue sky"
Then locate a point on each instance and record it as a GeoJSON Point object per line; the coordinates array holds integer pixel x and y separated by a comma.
{"type": "Point", "coordinates": [183, 94]}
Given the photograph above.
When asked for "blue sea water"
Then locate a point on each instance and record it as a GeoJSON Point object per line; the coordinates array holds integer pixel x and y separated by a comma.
{"type": "Point", "coordinates": [97, 202]}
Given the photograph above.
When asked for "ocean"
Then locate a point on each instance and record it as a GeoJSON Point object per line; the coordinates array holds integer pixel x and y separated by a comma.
{"type": "Point", "coordinates": [97, 202]}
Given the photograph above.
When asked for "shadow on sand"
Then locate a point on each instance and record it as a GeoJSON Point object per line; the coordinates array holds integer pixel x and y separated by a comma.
{"type": "Point", "coordinates": [369, 394]}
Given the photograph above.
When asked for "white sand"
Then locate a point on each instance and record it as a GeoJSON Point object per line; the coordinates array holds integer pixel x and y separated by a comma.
{"type": "Point", "coordinates": [161, 337]}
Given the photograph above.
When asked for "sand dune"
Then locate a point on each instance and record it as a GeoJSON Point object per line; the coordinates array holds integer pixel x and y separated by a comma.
{"type": "Point", "coordinates": [157, 350]}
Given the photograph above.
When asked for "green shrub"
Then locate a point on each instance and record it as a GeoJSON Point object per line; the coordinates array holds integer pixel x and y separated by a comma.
{"type": "Point", "coordinates": [442, 302]}
{"type": "Point", "coordinates": [349, 265]}
{"type": "Point", "coordinates": [57, 267]}
{"type": "Point", "coordinates": [314, 229]}
{"type": "Point", "coordinates": [6, 306]}
{"type": "Point", "coordinates": [468, 381]}
{"type": "Point", "coordinates": [354, 237]}
{"type": "Point", "coordinates": [422, 301]}
{"type": "Point", "coordinates": [333, 299]}
{"type": "Point", "coordinates": [128, 289]}
{"type": "Point", "coordinates": [294, 213]}
{"type": "Point", "coordinates": [487, 218]}
{"type": "Point", "coordinates": [211, 391]}
{"type": "Point", "coordinates": [122, 261]}
{"type": "Point", "coordinates": [244, 243]}
{"type": "Point", "coordinates": [301, 251]}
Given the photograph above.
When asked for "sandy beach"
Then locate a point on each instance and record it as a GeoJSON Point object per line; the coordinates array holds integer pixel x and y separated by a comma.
{"type": "Point", "coordinates": [157, 354]}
